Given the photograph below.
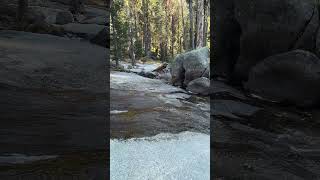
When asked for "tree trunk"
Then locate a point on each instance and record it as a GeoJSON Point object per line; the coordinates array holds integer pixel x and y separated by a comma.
{"type": "Point", "coordinates": [200, 24]}
{"type": "Point", "coordinates": [183, 27]}
{"type": "Point", "coordinates": [167, 34]}
{"type": "Point", "coordinates": [205, 26]}
{"type": "Point", "coordinates": [131, 35]}
{"type": "Point", "coordinates": [145, 35]}
{"type": "Point", "coordinates": [196, 24]}
{"type": "Point", "coordinates": [179, 37]}
{"type": "Point", "coordinates": [148, 27]}
{"type": "Point", "coordinates": [116, 49]}
{"type": "Point", "coordinates": [191, 25]}
{"type": "Point", "coordinates": [162, 58]}
{"type": "Point", "coordinates": [172, 34]}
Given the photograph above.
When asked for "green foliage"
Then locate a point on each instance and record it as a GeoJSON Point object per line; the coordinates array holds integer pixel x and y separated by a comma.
{"type": "Point", "coordinates": [120, 27]}
{"type": "Point", "coordinates": [167, 23]}
{"type": "Point", "coordinates": [138, 48]}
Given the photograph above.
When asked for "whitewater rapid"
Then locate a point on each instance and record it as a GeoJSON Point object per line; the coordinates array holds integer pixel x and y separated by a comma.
{"type": "Point", "coordinates": [181, 156]}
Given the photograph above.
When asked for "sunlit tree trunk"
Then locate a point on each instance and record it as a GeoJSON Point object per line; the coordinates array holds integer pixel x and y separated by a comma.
{"type": "Point", "coordinates": [173, 31]}
{"type": "Point", "coordinates": [146, 28]}
{"type": "Point", "coordinates": [114, 39]}
{"type": "Point", "coordinates": [200, 23]}
{"type": "Point", "coordinates": [183, 26]}
{"type": "Point", "coordinates": [205, 26]}
{"type": "Point", "coordinates": [191, 25]}
{"type": "Point", "coordinates": [167, 33]}
{"type": "Point", "coordinates": [131, 34]}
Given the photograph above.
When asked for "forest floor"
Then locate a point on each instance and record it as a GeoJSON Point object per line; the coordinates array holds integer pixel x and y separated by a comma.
{"type": "Point", "coordinates": [157, 130]}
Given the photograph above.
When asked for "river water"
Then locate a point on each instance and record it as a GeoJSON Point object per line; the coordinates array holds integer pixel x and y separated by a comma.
{"type": "Point", "coordinates": [157, 131]}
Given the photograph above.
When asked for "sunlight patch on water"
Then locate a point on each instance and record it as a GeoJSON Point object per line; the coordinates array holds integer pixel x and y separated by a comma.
{"type": "Point", "coordinates": [164, 156]}
{"type": "Point", "coordinates": [118, 112]}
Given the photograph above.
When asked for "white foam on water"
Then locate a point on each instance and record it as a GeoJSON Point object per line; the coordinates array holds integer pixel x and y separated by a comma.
{"type": "Point", "coordinates": [118, 112]}
{"type": "Point", "coordinates": [161, 157]}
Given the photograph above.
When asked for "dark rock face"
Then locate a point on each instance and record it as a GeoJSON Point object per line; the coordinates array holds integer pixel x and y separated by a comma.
{"type": "Point", "coordinates": [272, 27]}
{"type": "Point", "coordinates": [102, 38]}
{"type": "Point", "coordinates": [226, 38]}
{"type": "Point", "coordinates": [189, 66]}
{"type": "Point", "coordinates": [42, 27]}
{"type": "Point", "coordinates": [77, 6]}
{"type": "Point", "coordinates": [51, 95]}
{"type": "Point", "coordinates": [86, 31]}
{"type": "Point", "coordinates": [254, 139]}
{"type": "Point", "coordinates": [292, 77]}
{"type": "Point", "coordinates": [272, 46]}
{"type": "Point", "coordinates": [64, 17]}
{"type": "Point", "coordinates": [199, 86]}
{"type": "Point", "coordinates": [264, 28]}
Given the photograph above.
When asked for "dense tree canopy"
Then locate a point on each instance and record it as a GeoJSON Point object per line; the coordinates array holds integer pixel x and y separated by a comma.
{"type": "Point", "coordinates": [158, 29]}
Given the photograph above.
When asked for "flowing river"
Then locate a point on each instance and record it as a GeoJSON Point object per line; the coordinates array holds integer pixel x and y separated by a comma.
{"type": "Point", "coordinates": [158, 131]}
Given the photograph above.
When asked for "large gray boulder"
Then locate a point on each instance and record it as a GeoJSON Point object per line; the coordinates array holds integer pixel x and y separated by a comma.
{"type": "Point", "coordinates": [102, 38]}
{"type": "Point", "coordinates": [249, 31]}
{"type": "Point", "coordinates": [189, 66]}
{"type": "Point", "coordinates": [64, 17]}
{"type": "Point", "coordinates": [291, 77]}
{"type": "Point", "coordinates": [199, 86]}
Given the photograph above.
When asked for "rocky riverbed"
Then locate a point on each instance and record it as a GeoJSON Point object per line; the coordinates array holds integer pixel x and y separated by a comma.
{"type": "Point", "coordinates": [156, 125]}
{"type": "Point", "coordinates": [257, 139]}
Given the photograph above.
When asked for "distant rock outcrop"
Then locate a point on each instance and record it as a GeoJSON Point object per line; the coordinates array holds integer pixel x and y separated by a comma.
{"type": "Point", "coordinates": [189, 66]}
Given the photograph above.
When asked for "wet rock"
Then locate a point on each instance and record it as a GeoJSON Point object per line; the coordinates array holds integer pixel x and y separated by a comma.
{"type": "Point", "coordinates": [50, 13]}
{"type": "Point", "coordinates": [199, 86]}
{"type": "Point", "coordinates": [100, 20]}
{"type": "Point", "coordinates": [87, 31]}
{"type": "Point", "coordinates": [291, 77]}
{"type": "Point", "coordinates": [221, 88]}
{"type": "Point", "coordinates": [232, 109]}
{"type": "Point", "coordinates": [165, 75]}
{"type": "Point", "coordinates": [189, 66]}
{"type": "Point", "coordinates": [102, 38]}
{"type": "Point", "coordinates": [160, 107]}
{"type": "Point", "coordinates": [95, 12]}
{"type": "Point", "coordinates": [35, 15]}
{"type": "Point", "coordinates": [43, 27]}
{"type": "Point", "coordinates": [147, 74]}
{"type": "Point", "coordinates": [52, 79]}
{"type": "Point", "coordinates": [64, 17]}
